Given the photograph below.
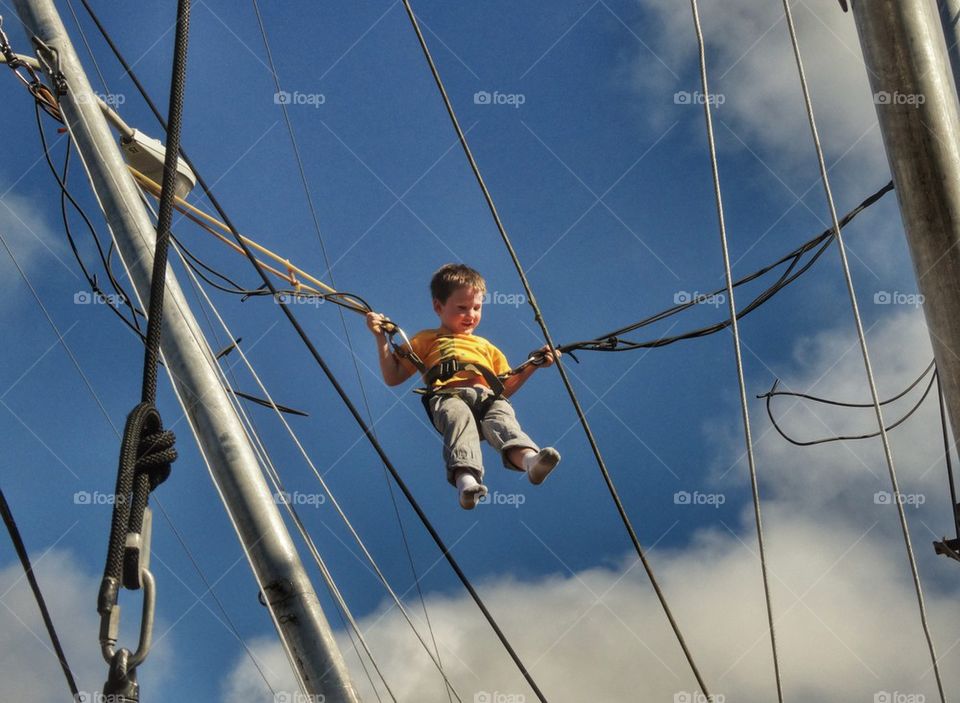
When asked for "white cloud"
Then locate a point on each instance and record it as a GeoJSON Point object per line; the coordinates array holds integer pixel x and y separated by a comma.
{"type": "Point", "coordinates": [27, 232]}
{"type": "Point", "coordinates": [750, 62]}
{"type": "Point", "coordinates": [846, 617]}
{"type": "Point", "coordinates": [29, 669]}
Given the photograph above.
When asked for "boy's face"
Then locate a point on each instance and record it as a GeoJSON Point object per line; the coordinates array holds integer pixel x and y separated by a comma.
{"type": "Point", "coordinates": [461, 312]}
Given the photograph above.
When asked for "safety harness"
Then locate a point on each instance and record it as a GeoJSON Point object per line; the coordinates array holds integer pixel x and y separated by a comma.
{"type": "Point", "coordinates": [444, 371]}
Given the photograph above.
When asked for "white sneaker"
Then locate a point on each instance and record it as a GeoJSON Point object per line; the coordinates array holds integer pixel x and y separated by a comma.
{"type": "Point", "coordinates": [538, 466]}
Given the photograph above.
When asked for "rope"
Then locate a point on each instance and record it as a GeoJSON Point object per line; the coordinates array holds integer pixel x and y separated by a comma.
{"type": "Point", "coordinates": [531, 299]}
{"type": "Point", "coordinates": [861, 336]}
{"type": "Point", "coordinates": [316, 224]}
{"type": "Point", "coordinates": [734, 326]}
{"type": "Point", "coordinates": [21, 550]}
{"type": "Point", "coordinates": [773, 392]}
{"type": "Point", "coordinates": [146, 449]}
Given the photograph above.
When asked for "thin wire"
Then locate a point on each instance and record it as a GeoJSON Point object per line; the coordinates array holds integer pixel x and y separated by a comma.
{"type": "Point", "coordinates": [734, 328]}
{"type": "Point", "coordinates": [83, 36]}
{"type": "Point", "coordinates": [316, 224]}
{"type": "Point", "coordinates": [861, 336]}
{"type": "Point", "coordinates": [531, 299]}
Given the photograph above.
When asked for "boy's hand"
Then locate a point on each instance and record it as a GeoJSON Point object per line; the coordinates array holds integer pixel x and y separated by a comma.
{"type": "Point", "coordinates": [548, 358]}
{"type": "Point", "coordinates": [375, 323]}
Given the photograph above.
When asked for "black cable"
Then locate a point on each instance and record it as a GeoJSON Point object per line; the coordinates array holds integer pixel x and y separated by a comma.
{"type": "Point", "coordinates": [21, 550]}
{"type": "Point", "coordinates": [826, 401]}
{"type": "Point", "coordinates": [308, 343]}
{"type": "Point", "coordinates": [65, 195]}
{"type": "Point", "coordinates": [611, 341]}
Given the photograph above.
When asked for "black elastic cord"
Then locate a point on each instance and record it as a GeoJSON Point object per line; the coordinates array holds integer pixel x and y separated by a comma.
{"type": "Point", "coordinates": [773, 392]}
{"type": "Point", "coordinates": [21, 550]}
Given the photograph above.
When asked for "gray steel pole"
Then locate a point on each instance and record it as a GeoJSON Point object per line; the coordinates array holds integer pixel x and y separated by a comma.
{"type": "Point", "coordinates": [905, 56]}
{"type": "Point", "coordinates": [950, 19]}
{"type": "Point", "coordinates": [292, 601]}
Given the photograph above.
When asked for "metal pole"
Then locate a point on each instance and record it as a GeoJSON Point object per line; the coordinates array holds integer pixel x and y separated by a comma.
{"type": "Point", "coordinates": [292, 601]}
{"type": "Point", "coordinates": [949, 18]}
{"type": "Point", "coordinates": [913, 89]}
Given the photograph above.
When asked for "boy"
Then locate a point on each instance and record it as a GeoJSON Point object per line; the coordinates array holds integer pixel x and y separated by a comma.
{"type": "Point", "coordinates": [461, 398]}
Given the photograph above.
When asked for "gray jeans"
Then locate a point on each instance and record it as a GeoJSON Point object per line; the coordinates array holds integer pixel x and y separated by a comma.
{"type": "Point", "coordinates": [452, 415]}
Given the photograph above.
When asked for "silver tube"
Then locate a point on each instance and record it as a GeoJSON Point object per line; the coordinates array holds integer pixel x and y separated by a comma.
{"type": "Point", "coordinates": [293, 604]}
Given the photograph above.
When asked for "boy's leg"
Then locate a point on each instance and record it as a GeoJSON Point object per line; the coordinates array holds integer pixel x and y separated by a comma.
{"type": "Point", "coordinates": [520, 453]}
{"type": "Point", "coordinates": [452, 416]}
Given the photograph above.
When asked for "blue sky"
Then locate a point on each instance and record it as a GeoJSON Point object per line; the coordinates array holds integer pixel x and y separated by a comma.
{"type": "Point", "coordinates": [598, 166]}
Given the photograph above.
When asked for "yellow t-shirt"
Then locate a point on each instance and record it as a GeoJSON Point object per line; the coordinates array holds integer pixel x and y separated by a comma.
{"type": "Point", "coordinates": [433, 347]}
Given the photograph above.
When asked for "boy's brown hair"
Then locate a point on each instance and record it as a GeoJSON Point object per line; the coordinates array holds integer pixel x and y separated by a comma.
{"type": "Point", "coordinates": [450, 277]}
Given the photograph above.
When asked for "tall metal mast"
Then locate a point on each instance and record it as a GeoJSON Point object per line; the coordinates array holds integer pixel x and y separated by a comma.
{"type": "Point", "coordinates": [292, 601]}
{"type": "Point", "coordinates": [913, 87]}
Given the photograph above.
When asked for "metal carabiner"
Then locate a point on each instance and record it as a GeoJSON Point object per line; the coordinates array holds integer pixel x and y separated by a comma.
{"type": "Point", "coordinates": [110, 625]}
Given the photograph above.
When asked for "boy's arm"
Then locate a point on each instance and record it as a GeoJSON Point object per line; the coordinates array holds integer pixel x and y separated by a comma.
{"type": "Point", "coordinates": [395, 370]}
{"type": "Point", "coordinates": [513, 383]}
